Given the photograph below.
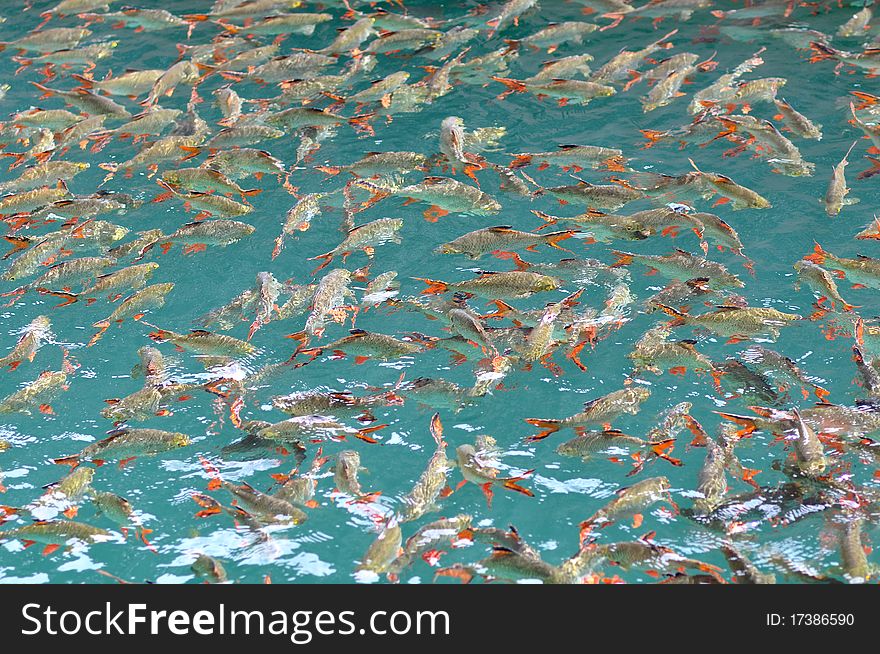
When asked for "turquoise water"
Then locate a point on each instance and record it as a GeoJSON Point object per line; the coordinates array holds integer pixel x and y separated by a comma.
{"type": "Point", "coordinates": [331, 543]}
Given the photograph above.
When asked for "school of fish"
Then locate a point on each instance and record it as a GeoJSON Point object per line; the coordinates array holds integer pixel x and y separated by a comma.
{"type": "Point", "coordinates": [234, 404]}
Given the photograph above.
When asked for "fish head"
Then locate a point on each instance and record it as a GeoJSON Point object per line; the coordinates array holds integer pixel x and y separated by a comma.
{"type": "Point", "coordinates": [181, 440]}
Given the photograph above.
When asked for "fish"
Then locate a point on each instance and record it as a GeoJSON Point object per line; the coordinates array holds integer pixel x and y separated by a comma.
{"type": "Point", "coordinates": [125, 444]}
{"type": "Point", "coordinates": [582, 92]}
{"type": "Point", "coordinates": [203, 342]}
{"type": "Point", "coordinates": [210, 569]}
{"type": "Point", "coordinates": [683, 266]}
{"type": "Point", "coordinates": [606, 197]}
{"type": "Point", "coordinates": [822, 282]}
{"type": "Point", "coordinates": [363, 237]}
{"type": "Point", "coordinates": [383, 550]}
{"type": "Point", "coordinates": [587, 445]}
{"type": "Point", "coordinates": [33, 336]}
{"type": "Point", "coordinates": [427, 489]}
{"type": "Point", "coordinates": [497, 285]}
{"type": "Point", "coordinates": [345, 472]}
{"type": "Point", "coordinates": [657, 352]}
{"type": "Point", "coordinates": [835, 196]}
{"type": "Point", "coordinates": [36, 394]}
{"type": "Point", "coordinates": [598, 412]}
{"type": "Point", "coordinates": [629, 501]}
{"type": "Point", "coordinates": [808, 449]}
{"type": "Point", "coordinates": [135, 305]}
{"type": "Point", "coordinates": [328, 302]}
{"type": "Point", "coordinates": [863, 271]}
{"type": "Point", "coordinates": [735, 322]}
{"type": "Point", "coordinates": [797, 122]}
{"type": "Point", "coordinates": [49, 40]}
{"type": "Point", "coordinates": [299, 218]}
{"type": "Point", "coordinates": [574, 158]}
{"type": "Point", "coordinates": [364, 345]}
{"type": "Point", "coordinates": [491, 239]}
{"type": "Point", "coordinates": [447, 195]}
{"type": "Point", "coordinates": [56, 533]}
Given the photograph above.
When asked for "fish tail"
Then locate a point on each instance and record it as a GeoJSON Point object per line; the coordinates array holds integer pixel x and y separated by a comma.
{"type": "Point", "coordinates": [303, 339]}
{"type": "Point", "coordinates": [678, 316]}
{"type": "Point", "coordinates": [364, 434]}
{"type": "Point", "coordinates": [501, 312]}
{"type": "Point", "coordinates": [547, 426]}
{"type": "Point", "coordinates": [213, 472]}
{"type": "Point", "coordinates": [513, 86]}
{"type": "Point", "coordinates": [326, 258]}
{"type": "Point", "coordinates": [520, 264]}
{"type": "Point", "coordinates": [160, 335]}
{"type": "Point", "coordinates": [818, 255]}
{"type": "Point", "coordinates": [510, 483]}
{"type": "Point", "coordinates": [873, 170]}
{"type": "Point", "coordinates": [69, 298]}
{"type": "Point", "coordinates": [660, 449]}
{"type": "Point", "coordinates": [546, 217]}
{"type": "Point", "coordinates": [47, 92]}
{"type": "Point", "coordinates": [279, 244]}
{"type": "Point", "coordinates": [520, 161]}
{"type": "Point", "coordinates": [866, 98]}
{"type": "Point", "coordinates": [102, 326]}
{"type": "Point", "coordinates": [18, 243]}
{"type": "Point", "coordinates": [553, 239]}
{"type": "Point", "coordinates": [512, 45]}
{"type": "Point", "coordinates": [434, 286]}
{"type": "Point", "coordinates": [437, 429]}
{"type": "Point", "coordinates": [821, 51]}
{"type": "Point", "coordinates": [623, 259]}
{"type": "Point", "coordinates": [586, 528]}
{"type": "Point", "coordinates": [747, 423]}
{"type": "Point", "coordinates": [700, 435]}
{"type": "Point", "coordinates": [616, 164]}
{"type": "Point", "coordinates": [72, 460]}
{"type": "Point", "coordinates": [716, 378]}
{"type": "Point", "coordinates": [653, 137]}
{"type": "Point", "coordinates": [85, 81]}
{"type": "Point", "coordinates": [362, 123]}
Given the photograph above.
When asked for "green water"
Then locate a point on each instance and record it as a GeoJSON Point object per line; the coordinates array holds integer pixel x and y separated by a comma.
{"type": "Point", "coordinates": [330, 544]}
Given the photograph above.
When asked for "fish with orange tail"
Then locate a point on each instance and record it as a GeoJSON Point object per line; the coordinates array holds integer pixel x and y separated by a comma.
{"type": "Point", "coordinates": [55, 534]}
{"type": "Point", "coordinates": [430, 484]}
{"type": "Point", "coordinates": [134, 306]}
{"type": "Point", "coordinates": [477, 468]}
{"type": "Point", "coordinates": [629, 502]}
{"type": "Point", "coordinates": [267, 509]}
{"type": "Point", "coordinates": [863, 271]}
{"type": "Point", "coordinates": [598, 412]}
{"type": "Point", "coordinates": [735, 322]}
{"type": "Point", "coordinates": [497, 285]}
{"type": "Point", "coordinates": [127, 443]}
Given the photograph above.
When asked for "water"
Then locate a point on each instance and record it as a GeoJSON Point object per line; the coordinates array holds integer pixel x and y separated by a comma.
{"type": "Point", "coordinates": [330, 544]}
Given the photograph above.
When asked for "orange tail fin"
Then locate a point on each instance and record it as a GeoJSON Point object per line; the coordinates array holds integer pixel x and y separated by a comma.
{"type": "Point", "coordinates": [547, 427]}
{"type": "Point", "coordinates": [434, 287]}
